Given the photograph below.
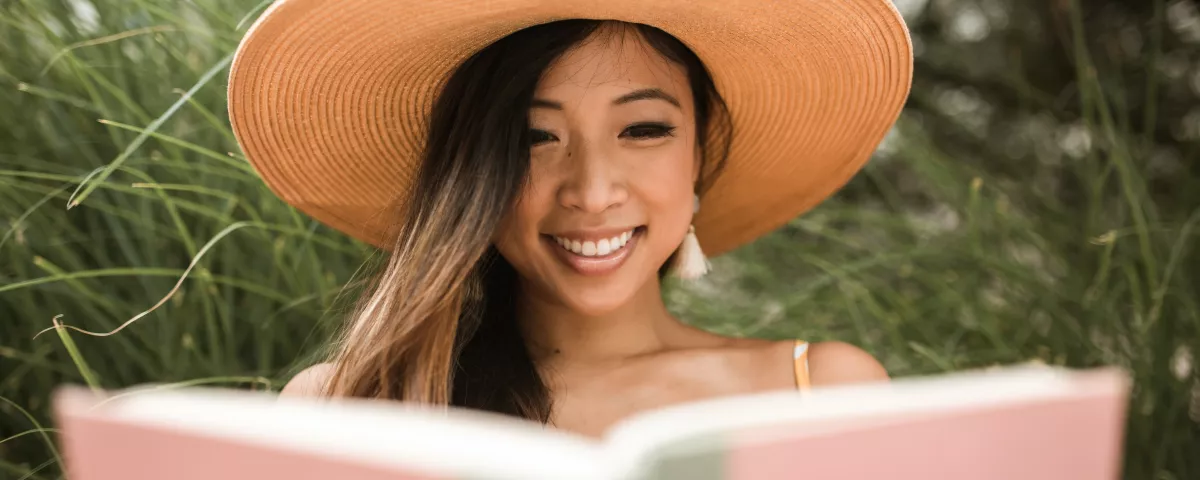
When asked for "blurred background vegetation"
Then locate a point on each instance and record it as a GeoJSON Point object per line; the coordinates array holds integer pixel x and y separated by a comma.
{"type": "Point", "coordinates": [1039, 200]}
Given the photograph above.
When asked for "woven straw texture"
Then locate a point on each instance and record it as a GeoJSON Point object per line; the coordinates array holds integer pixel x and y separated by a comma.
{"type": "Point", "coordinates": [328, 98]}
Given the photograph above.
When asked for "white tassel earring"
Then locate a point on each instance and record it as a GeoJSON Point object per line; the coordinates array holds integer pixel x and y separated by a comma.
{"type": "Point", "coordinates": [689, 262]}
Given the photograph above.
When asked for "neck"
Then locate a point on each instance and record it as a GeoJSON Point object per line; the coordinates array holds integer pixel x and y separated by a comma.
{"type": "Point", "coordinates": [558, 334]}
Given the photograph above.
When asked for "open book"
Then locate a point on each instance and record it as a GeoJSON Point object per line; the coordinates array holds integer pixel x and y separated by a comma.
{"type": "Point", "coordinates": [1030, 423]}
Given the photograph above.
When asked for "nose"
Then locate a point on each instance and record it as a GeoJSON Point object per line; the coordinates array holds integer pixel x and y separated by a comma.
{"type": "Point", "coordinates": [593, 182]}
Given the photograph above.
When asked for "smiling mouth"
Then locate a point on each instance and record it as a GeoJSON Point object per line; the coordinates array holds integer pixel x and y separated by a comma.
{"type": "Point", "coordinates": [595, 256]}
{"type": "Point", "coordinates": [597, 248]}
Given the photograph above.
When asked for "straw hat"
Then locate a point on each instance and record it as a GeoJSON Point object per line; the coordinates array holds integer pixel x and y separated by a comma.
{"type": "Point", "coordinates": [328, 98]}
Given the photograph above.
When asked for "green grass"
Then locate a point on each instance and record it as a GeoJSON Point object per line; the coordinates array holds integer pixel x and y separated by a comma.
{"type": "Point", "coordinates": [931, 260]}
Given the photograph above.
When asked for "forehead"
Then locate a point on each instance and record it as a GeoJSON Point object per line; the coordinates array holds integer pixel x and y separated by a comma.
{"type": "Point", "coordinates": [614, 57]}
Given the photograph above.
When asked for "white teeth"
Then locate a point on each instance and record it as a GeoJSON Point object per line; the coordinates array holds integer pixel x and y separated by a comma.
{"type": "Point", "coordinates": [603, 247]}
{"type": "Point", "coordinates": [595, 248]}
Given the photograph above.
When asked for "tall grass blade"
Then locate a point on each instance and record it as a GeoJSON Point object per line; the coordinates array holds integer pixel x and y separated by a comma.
{"type": "Point", "coordinates": [137, 142]}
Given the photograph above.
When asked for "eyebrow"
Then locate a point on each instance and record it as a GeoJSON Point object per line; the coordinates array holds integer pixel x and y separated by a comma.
{"type": "Point", "coordinates": [643, 94]}
{"type": "Point", "coordinates": [647, 94]}
{"type": "Point", "coordinates": [541, 103]}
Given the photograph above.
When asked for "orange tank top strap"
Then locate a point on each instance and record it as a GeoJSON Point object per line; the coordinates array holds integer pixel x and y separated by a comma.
{"type": "Point", "coordinates": [800, 365]}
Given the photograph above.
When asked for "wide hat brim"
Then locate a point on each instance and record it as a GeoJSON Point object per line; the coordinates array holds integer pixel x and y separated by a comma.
{"type": "Point", "coordinates": [329, 98]}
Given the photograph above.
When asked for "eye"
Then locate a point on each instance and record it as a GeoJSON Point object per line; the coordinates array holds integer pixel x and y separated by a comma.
{"type": "Point", "coordinates": [538, 137]}
{"type": "Point", "coordinates": [649, 130]}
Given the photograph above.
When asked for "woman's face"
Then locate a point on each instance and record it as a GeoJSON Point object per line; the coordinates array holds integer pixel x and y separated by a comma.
{"type": "Point", "coordinates": [610, 193]}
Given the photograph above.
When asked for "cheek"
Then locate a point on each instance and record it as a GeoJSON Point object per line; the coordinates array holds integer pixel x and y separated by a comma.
{"type": "Point", "coordinates": [666, 190]}
{"type": "Point", "coordinates": [518, 231]}
{"type": "Point", "coordinates": [666, 182]}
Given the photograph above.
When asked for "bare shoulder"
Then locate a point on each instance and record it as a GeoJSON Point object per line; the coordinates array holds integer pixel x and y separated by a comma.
{"type": "Point", "coordinates": [833, 363]}
{"type": "Point", "coordinates": [310, 382]}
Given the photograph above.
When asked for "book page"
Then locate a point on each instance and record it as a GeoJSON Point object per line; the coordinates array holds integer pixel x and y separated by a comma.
{"type": "Point", "coordinates": [702, 426]}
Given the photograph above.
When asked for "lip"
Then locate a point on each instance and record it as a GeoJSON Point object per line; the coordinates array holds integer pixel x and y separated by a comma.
{"type": "Point", "coordinates": [598, 265]}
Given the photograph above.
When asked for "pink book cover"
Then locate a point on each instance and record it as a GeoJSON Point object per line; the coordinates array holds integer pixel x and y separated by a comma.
{"type": "Point", "coordinates": [1032, 425]}
{"type": "Point", "coordinates": [97, 448]}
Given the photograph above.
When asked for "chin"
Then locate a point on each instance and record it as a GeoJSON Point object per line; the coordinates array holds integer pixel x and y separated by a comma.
{"type": "Point", "coordinates": [597, 300]}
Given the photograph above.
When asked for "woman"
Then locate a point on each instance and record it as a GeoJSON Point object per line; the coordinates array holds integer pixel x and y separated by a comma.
{"type": "Point", "coordinates": [535, 170]}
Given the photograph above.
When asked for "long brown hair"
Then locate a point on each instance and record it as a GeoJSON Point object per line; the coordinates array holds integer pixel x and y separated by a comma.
{"type": "Point", "coordinates": [437, 324]}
